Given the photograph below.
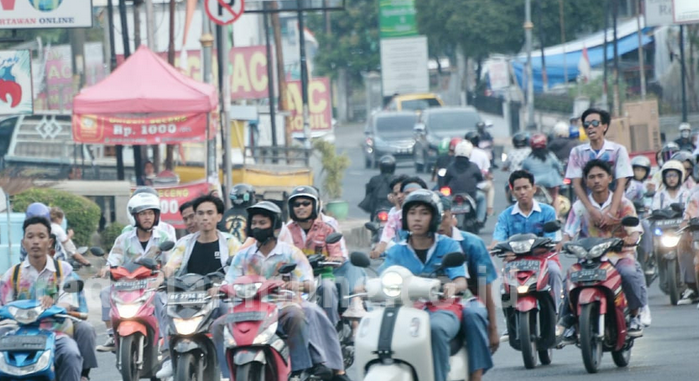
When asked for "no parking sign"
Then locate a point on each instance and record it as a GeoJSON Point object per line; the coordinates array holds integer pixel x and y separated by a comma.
{"type": "Point", "coordinates": [224, 12]}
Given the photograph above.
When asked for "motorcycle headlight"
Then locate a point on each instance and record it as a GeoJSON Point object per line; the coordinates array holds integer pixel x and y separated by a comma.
{"type": "Point", "coordinates": [392, 284]}
{"type": "Point", "coordinates": [128, 310]}
{"type": "Point", "coordinates": [520, 247]}
{"type": "Point", "coordinates": [669, 240]}
{"type": "Point", "coordinates": [267, 334]}
{"type": "Point", "coordinates": [577, 250]}
{"type": "Point", "coordinates": [600, 249]}
{"type": "Point", "coordinates": [228, 339]}
{"type": "Point", "coordinates": [41, 364]}
{"type": "Point", "coordinates": [246, 291]}
{"type": "Point", "coordinates": [25, 315]}
{"type": "Point", "coordinates": [187, 326]}
{"type": "Point", "coordinates": [658, 232]}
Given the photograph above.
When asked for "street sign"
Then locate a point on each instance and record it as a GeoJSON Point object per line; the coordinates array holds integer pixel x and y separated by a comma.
{"type": "Point", "coordinates": [685, 11]}
{"type": "Point", "coordinates": [658, 12]}
{"type": "Point", "coordinates": [224, 12]}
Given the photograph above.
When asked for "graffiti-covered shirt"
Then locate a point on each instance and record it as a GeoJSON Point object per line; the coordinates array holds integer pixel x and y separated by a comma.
{"type": "Point", "coordinates": [250, 261]}
{"type": "Point", "coordinates": [127, 246]}
{"type": "Point", "coordinates": [612, 153]}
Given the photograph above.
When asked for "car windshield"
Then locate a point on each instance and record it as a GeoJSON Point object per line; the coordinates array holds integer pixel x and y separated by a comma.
{"type": "Point", "coordinates": [420, 104]}
{"type": "Point", "coordinates": [396, 125]}
{"type": "Point", "coordinates": [450, 121]}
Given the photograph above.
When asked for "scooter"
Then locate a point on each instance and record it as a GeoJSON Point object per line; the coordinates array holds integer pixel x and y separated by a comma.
{"type": "Point", "coordinates": [28, 352]}
{"type": "Point", "coordinates": [664, 224]}
{"type": "Point", "coordinates": [597, 300]}
{"type": "Point", "coordinates": [393, 342]}
{"type": "Point", "coordinates": [464, 208]}
{"type": "Point", "coordinates": [376, 226]}
{"type": "Point", "coordinates": [527, 291]}
{"type": "Point", "coordinates": [648, 261]}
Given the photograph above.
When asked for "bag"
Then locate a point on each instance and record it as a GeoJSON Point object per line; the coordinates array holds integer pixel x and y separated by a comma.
{"type": "Point", "coordinates": [18, 267]}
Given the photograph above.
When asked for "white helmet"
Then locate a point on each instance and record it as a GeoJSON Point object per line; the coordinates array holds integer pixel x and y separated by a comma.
{"type": "Point", "coordinates": [561, 130]}
{"type": "Point", "coordinates": [685, 127]}
{"type": "Point", "coordinates": [673, 165]}
{"type": "Point", "coordinates": [464, 148]}
{"type": "Point", "coordinates": [140, 202]}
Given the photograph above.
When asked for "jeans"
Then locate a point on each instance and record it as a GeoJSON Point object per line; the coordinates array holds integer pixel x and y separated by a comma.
{"type": "Point", "coordinates": [85, 337]}
{"type": "Point", "coordinates": [480, 206]}
{"type": "Point", "coordinates": [556, 282]}
{"type": "Point", "coordinates": [328, 300]}
{"type": "Point", "coordinates": [475, 328]}
{"type": "Point", "coordinates": [325, 345]}
{"type": "Point", "coordinates": [444, 326]}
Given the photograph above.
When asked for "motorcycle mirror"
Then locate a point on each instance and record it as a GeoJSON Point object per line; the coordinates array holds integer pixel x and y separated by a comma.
{"type": "Point", "coordinates": [333, 238]}
{"type": "Point", "coordinates": [148, 263]}
{"type": "Point", "coordinates": [419, 128]}
{"type": "Point", "coordinates": [552, 226]}
{"type": "Point", "coordinates": [630, 221]}
{"type": "Point", "coordinates": [166, 245]}
{"type": "Point", "coordinates": [287, 269]}
{"type": "Point", "coordinates": [82, 250]}
{"type": "Point", "coordinates": [488, 123]}
{"type": "Point", "coordinates": [73, 286]}
{"type": "Point", "coordinates": [677, 206]}
{"type": "Point", "coordinates": [372, 227]}
{"type": "Point", "coordinates": [454, 259]}
{"type": "Point", "coordinates": [97, 251]}
{"type": "Point", "coordinates": [360, 259]}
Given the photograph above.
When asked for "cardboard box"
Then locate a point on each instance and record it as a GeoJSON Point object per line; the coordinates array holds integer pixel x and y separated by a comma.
{"type": "Point", "coordinates": [619, 132]}
{"type": "Point", "coordinates": [644, 125]}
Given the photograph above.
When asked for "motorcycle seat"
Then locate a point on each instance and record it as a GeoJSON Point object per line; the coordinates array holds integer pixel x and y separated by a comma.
{"type": "Point", "coordinates": [456, 344]}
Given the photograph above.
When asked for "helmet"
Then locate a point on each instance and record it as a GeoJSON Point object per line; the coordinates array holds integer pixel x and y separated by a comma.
{"type": "Point", "coordinates": [38, 209]}
{"type": "Point", "coordinates": [642, 162]}
{"type": "Point", "coordinates": [573, 117]}
{"type": "Point", "coordinates": [428, 198]}
{"type": "Point", "coordinates": [443, 146]}
{"type": "Point", "coordinates": [454, 142]}
{"type": "Point", "coordinates": [387, 164]}
{"type": "Point", "coordinates": [266, 208]}
{"type": "Point", "coordinates": [304, 191]}
{"type": "Point", "coordinates": [148, 190]}
{"type": "Point", "coordinates": [683, 156]}
{"type": "Point", "coordinates": [538, 141]}
{"type": "Point", "coordinates": [574, 132]}
{"type": "Point", "coordinates": [480, 125]}
{"type": "Point", "coordinates": [673, 165]}
{"type": "Point", "coordinates": [666, 152]}
{"type": "Point", "coordinates": [474, 137]}
{"type": "Point", "coordinates": [463, 149]}
{"type": "Point", "coordinates": [561, 130]}
{"type": "Point", "coordinates": [242, 195]}
{"type": "Point", "coordinates": [520, 139]}
{"type": "Point", "coordinates": [140, 202]}
{"type": "Point", "coordinates": [685, 127]}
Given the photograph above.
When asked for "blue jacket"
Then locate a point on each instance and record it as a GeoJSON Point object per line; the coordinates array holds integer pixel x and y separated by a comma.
{"type": "Point", "coordinates": [511, 221]}
{"type": "Point", "coordinates": [479, 263]}
{"type": "Point", "coordinates": [404, 255]}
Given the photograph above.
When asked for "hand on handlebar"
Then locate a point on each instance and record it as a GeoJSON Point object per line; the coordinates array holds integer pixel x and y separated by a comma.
{"type": "Point", "coordinates": [449, 290]}
{"type": "Point", "coordinates": [104, 271]}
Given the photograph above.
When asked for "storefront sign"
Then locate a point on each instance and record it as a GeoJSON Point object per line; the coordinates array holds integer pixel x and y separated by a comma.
{"type": "Point", "coordinates": [43, 14]}
{"type": "Point", "coordinates": [171, 129]}
{"type": "Point", "coordinates": [16, 82]}
{"type": "Point", "coordinates": [172, 197]}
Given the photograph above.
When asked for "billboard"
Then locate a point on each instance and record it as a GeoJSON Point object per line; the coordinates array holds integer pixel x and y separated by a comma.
{"type": "Point", "coordinates": [249, 76]}
{"type": "Point", "coordinates": [167, 129]}
{"type": "Point", "coordinates": [658, 12]}
{"type": "Point", "coordinates": [43, 14]}
{"type": "Point", "coordinates": [172, 197]}
{"type": "Point", "coordinates": [685, 11]}
{"type": "Point", "coordinates": [397, 18]}
{"type": "Point", "coordinates": [404, 65]}
{"type": "Point", "coordinates": [16, 96]}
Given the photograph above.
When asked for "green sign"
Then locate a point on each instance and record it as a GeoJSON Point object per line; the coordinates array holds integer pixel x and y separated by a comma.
{"type": "Point", "coordinates": [397, 18]}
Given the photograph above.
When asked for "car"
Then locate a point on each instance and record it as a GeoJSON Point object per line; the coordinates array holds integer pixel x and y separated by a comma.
{"type": "Point", "coordinates": [414, 102]}
{"type": "Point", "coordinates": [437, 124]}
{"type": "Point", "coordinates": [389, 133]}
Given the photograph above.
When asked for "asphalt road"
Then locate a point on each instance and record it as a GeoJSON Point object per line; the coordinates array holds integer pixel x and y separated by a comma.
{"type": "Point", "coordinates": [668, 350]}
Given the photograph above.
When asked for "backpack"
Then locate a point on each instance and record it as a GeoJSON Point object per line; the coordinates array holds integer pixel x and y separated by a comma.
{"type": "Point", "coordinates": [18, 267]}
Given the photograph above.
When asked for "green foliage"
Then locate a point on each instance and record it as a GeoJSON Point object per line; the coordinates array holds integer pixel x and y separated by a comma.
{"type": "Point", "coordinates": [83, 214]}
{"type": "Point", "coordinates": [110, 234]}
{"type": "Point", "coordinates": [595, 88]}
{"type": "Point", "coordinates": [334, 167]}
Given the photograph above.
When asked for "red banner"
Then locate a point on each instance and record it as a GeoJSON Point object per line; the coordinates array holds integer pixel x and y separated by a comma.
{"type": "Point", "coordinates": [171, 129]}
{"type": "Point", "coordinates": [172, 197]}
{"type": "Point", "coordinates": [319, 105]}
{"type": "Point", "coordinates": [249, 77]}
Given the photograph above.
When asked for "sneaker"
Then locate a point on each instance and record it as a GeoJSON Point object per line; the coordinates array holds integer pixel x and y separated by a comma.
{"type": "Point", "coordinates": [165, 370]}
{"type": "Point", "coordinates": [505, 336]}
{"type": "Point", "coordinates": [635, 327]}
{"type": "Point", "coordinates": [569, 337]}
{"type": "Point", "coordinates": [108, 346]}
{"type": "Point", "coordinates": [645, 316]}
{"type": "Point", "coordinates": [320, 371]}
{"type": "Point", "coordinates": [356, 310]}
{"type": "Point", "coordinates": [687, 297]}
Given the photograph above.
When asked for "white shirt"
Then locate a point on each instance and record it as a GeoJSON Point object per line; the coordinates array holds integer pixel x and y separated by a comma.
{"type": "Point", "coordinates": [480, 158]}
{"type": "Point", "coordinates": [663, 199]}
{"type": "Point", "coordinates": [535, 208]}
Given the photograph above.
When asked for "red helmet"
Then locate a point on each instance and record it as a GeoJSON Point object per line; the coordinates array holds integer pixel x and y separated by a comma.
{"type": "Point", "coordinates": [538, 141]}
{"type": "Point", "coordinates": [454, 142]}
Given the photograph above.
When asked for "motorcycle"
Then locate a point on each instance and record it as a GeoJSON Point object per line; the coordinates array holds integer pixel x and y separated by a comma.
{"type": "Point", "coordinates": [526, 289]}
{"type": "Point", "coordinates": [394, 341]}
{"type": "Point", "coordinates": [28, 352]}
{"type": "Point", "coordinates": [647, 261]}
{"type": "Point", "coordinates": [597, 300]}
{"type": "Point", "coordinates": [376, 225]}
{"type": "Point", "coordinates": [664, 224]}
{"type": "Point", "coordinates": [464, 209]}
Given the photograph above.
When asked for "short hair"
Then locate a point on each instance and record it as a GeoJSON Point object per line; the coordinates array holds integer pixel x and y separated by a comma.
{"type": "Point", "coordinates": [413, 180]}
{"type": "Point", "coordinates": [599, 164]}
{"type": "Point", "coordinates": [520, 174]}
{"type": "Point", "coordinates": [56, 213]}
{"type": "Point", "coordinates": [188, 204]}
{"type": "Point", "coordinates": [36, 220]}
{"type": "Point", "coordinates": [397, 180]}
{"type": "Point", "coordinates": [604, 116]}
{"type": "Point", "coordinates": [208, 198]}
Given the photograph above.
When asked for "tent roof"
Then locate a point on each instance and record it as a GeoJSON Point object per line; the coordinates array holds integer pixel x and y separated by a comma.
{"type": "Point", "coordinates": [145, 83]}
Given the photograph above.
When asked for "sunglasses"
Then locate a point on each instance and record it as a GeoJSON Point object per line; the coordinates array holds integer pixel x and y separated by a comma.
{"type": "Point", "coordinates": [593, 123]}
{"type": "Point", "coordinates": [301, 203]}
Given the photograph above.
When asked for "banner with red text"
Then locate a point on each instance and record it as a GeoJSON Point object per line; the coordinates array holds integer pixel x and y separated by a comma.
{"type": "Point", "coordinates": [173, 196]}
{"type": "Point", "coordinates": [319, 104]}
{"type": "Point", "coordinates": [171, 129]}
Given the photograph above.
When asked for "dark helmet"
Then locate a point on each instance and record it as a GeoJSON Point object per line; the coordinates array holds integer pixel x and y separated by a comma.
{"type": "Point", "coordinates": [38, 209]}
{"type": "Point", "coordinates": [520, 139]}
{"type": "Point", "coordinates": [424, 197]}
{"type": "Point", "coordinates": [666, 152]}
{"type": "Point", "coordinates": [683, 156]}
{"type": "Point", "coordinates": [304, 191]}
{"type": "Point", "coordinates": [265, 208]}
{"type": "Point", "coordinates": [242, 195]}
{"type": "Point", "coordinates": [474, 137]}
{"type": "Point", "coordinates": [387, 164]}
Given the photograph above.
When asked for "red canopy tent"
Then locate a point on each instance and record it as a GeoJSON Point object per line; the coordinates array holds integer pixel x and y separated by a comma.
{"type": "Point", "coordinates": [144, 101]}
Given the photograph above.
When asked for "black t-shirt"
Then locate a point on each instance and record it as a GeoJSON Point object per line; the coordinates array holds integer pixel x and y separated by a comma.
{"type": "Point", "coordinates": [205, 258]}
{"type": "Point", "coordinates": [422, 254]}
{"type": "Point", "coordinates": [144, 244]}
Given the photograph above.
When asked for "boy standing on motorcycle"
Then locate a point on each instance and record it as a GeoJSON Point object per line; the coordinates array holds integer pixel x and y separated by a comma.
{"type": "Point", "coordinates": [37, 278]}
{"type": "Point", "coordinates": [421, 253]}
{"type": "Point", "coordinates": [581, 224]}
{"type": "Point", "coordinates": [479, 320]}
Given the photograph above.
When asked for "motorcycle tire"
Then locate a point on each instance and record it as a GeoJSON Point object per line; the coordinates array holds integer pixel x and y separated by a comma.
{"type": "Point", "coordinates": [128, 352]}
{"type": "Point", "coordinates": [622, 358]}
{"type": "Point", "coordinates": [527, 337]}
{"type": "Point", "coordinates": [253, 371]}
{"type": "Point", "coordinates": [590, 344]}
{"type": "Point", "coordinates": [186, 368]}
{"type": "Point", "coordinates": [673, 286]}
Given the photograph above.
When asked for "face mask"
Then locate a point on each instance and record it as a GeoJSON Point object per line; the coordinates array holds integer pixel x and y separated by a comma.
{"type": "Point", "coordinates": [262, 235]}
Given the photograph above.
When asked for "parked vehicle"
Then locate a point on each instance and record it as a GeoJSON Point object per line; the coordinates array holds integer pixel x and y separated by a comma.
{"type": "Point", "coordinates": [389, 133]}
{"type": "Point", "coordinates": [414, 102]}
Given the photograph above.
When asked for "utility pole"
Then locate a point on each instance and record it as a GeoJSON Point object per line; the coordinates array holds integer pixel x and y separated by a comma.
{"type": "Point", "coordinates": [112, 65]}
{"type": "Point", "coordinates": [170, 149]}
{"type": "Point", "coordinates": [207, 42]}
{"type": "Point", "coordinates": [544, 77]}
{"type": "Point", "coordinates": [281, 74]}
{"type": "Point", "coordinates": [563, 40]}
{"type": "Point", "coordinates": [152, 45]}
{"type": "Point", "coordinates": [641, 63]}
{"type": "Point", "coordinates": [270, 83]}
{"type": "Point", "coordinates": [684, 75]}
{"type": "Point", "coordinates": [605, 85]}
{"type": "Point", "coordinates": [617, 100]}
{"type": "Point", "coordinates": [304, 77]}
{"type": "Point", "coordinates": [224, 101]}
{"type": "Point", "coordinates": [528, 26]}
{"type": "Point", "coordinates": [137, 159]}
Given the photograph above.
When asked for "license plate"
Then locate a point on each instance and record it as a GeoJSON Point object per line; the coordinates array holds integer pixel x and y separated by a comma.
{"type": "Point", "coordinates": [667, 223]}
{"type": "Point", "coordinates": [195, 297]}
{"type": "Point", "coordinates": [131, 285]}
{"type": "Point", "coordinates": [238, 317]}
{"type": "Point", "coordinates": [523, 265]}
{"type": "Point", "coordinates": [23, 343]}
{"type": "Point", "coordinates": [590, 275]}
{"type": "Point", "coordinates": [460, 209]}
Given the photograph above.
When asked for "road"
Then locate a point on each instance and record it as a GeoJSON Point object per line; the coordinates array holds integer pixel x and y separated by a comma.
{"type": "Point", "coordinates": [667, 350]}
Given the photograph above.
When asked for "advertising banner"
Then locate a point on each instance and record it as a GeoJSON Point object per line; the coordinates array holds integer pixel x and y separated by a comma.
{"type": "Point", "coordinates": [397, 18]}
{"type": "Point", "coordinates": [404, 65]}
{"type": "Point", "coordinates": [16, 95]}
{"type": "Point", "coordinates": [173, 196]}
{"type": "Point", "coordinates": [249, 77]}
{"type": "Point", "coordinates": [319, 105]}
{"type": "Point", "coordinates": [658, 12]}
{"type": "Point", "coordinates": [171, 129]}
{"type": "Point", "coordinates": [685, 11]}
{"type": "Point", "coordinates": [42, 14]}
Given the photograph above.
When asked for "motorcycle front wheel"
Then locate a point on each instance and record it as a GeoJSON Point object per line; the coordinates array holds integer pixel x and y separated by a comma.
{"type": "Point", "coordinates": [253, 371]}
{"type": "Point", "coordinates": [128, 352]}
{"type": "Point", "coordinates": [590, 343]}
{"type": "Point", "coordinates": [622, 358]}
{"type": "Point", "coordinates": [527, 337]}
{"type": "Point", "coordinates": [673, 287]}
{"type": "Point", "coordinates": [187, 368]}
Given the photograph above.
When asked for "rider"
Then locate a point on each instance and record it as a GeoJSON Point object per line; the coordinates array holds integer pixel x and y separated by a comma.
{"type": "Point", "coordinates": [38, 209]}
{"type": "Point", "coordinates": [36, 278]}
{"type": "Point", "coordinates": [377, 189]}
{"type": "Point", "coordinates": [463, 176]}
{"type": "Point", "coordinates": [544, 166]}
{"type": "Point", "coordinates": [306, 327]}
{"type": "Point", "coordinates": [638, 185]}
{"type": "Point", "coordinates": [242, 197]}
{"type": "Point", "coordinates": [187, 213]}
{"type": "Point", "coordinates": [162, 225]}
{"type": "Point", "coordinates": [685, 140]}
{"type": "Point", "coordinates": [392, 230]}
{"type": "Point", "coordinates": [482, 159]}
{"type": "Point", "coordinates": [142, 240]}
{"type": "Point", "coordinates": [598, 175]}
{"type": "Point", "coordinates": [519, 152]}
{"type": "Point", "coordinates": [562, 142]}
{"type": "Point", "coordinates": [479, 321]}
{"type": "Point", "coordinates": [689, 162]}
{"type": "Point", "coordinates": [445, 154]}
{"type": "Point", "coordinates": [421, 252]}
{"type": "Point", "coordinates": [63, 238]}
{"type": "Point", "coordinates": [672, 175]}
